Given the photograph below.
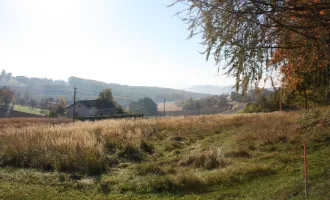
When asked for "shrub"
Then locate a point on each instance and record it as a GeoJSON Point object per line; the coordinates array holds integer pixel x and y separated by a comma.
{"type": "Point", "coordinates": [315, 118]}
{"type": "Point", "coordinates": [253, 108]}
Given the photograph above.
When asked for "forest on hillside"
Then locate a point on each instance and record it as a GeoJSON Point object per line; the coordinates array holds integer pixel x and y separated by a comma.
{"type": "Point", "coordinates": [39, 88]}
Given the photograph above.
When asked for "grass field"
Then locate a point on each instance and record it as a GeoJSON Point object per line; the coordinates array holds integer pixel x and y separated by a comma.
{"type": "Point", "coordinates": [28, 109]}
{"type": "Point", "coordinates": [245, 156]}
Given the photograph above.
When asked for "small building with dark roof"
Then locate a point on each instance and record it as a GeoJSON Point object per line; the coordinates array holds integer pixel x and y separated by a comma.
{"type": "Point", "coordinates": [89, 108]}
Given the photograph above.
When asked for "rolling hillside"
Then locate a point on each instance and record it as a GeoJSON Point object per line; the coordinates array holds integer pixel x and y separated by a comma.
{"type": "Point", "coordinates": [89, 89]}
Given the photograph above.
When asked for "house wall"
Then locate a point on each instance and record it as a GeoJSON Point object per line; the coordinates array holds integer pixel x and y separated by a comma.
{"type": "Point", "coordinates": [81, 111]}
{"type": "Point", "coordinates": [105, 112]}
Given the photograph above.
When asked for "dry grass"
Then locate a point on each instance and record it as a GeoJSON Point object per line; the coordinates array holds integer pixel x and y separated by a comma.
{"type": "Point", "coordinates": [86, 146]}
{"type": "Point", "coordinates": [208, 159]}
{"type": "Point", "coordinates": [23, 122]}
{"type": "Point", "coordinates": [220, 154]}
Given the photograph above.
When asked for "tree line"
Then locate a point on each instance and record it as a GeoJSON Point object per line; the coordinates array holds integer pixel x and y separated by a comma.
{"type": "Point", "coordinates": [211, 101]}
{"type": "Point", "coordinates": [57, 107]}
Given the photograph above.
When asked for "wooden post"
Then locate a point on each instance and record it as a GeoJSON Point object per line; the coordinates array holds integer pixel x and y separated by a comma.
{"type": "Point", "coordinates": [305, 170]}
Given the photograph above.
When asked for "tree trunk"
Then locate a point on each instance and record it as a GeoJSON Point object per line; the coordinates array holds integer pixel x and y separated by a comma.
{"type": "Point", "coordinates": [281, 99]}
{"type": "Point", "coordinates": [306, 103]}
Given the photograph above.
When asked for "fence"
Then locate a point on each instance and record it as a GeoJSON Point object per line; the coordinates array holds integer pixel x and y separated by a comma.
{"type": "Point", "coordinates": [109, 117]}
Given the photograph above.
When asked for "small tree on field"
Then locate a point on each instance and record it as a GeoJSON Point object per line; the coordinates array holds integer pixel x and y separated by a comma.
{"type": "Point", "coordinates": [6, 96]}
{"type": "Point", "coordinates": [61, 106]}
{"type": "Point", "coordinates": [33, 103]}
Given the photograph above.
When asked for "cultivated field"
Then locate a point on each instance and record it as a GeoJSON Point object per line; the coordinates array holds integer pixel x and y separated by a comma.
{"type": "Point", "coordinates": [247, 156]}
{"type": "Point", "coordinates": [169, 106]}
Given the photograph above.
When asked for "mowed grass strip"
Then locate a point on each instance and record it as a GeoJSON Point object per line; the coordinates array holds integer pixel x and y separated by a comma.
{"type": "Point", "coordinates": [27, 109]}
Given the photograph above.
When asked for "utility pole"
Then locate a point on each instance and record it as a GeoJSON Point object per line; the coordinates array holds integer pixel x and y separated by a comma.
{"type": "Point", "coordinates": [164, 106]}
{"type": "Point", "coordinates": [74, 103]}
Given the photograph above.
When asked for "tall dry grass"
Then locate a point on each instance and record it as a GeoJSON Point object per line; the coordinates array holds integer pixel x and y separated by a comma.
{"type": "Point", "coordinates": [87, 147]}
{"type": "Point", "coordinates": [23, 122]}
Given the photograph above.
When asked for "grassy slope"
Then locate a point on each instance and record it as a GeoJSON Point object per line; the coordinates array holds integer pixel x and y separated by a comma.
{"type": "Point", "coordinates": [208, 157]}
{"type": "Point", "coordinates": [27, 109]}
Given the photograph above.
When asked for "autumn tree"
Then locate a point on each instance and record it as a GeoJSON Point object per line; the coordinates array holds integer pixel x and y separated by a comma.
{"type": "Point", "coordinates": [249, 38]}
{"type": "Point", "coordinates": [61, 106]}
{"type": "Point", "coordinates": [6, 96]}
{"type": "Point", "coordinates": [106, 94]}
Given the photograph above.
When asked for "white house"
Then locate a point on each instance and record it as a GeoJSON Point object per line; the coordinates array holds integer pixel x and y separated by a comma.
{"type": "Point", "coordinates": [90, 108]}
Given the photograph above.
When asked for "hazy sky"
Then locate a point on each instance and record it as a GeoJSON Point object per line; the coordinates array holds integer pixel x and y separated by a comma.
{"type": "Point", "coordinates": [133, 42]}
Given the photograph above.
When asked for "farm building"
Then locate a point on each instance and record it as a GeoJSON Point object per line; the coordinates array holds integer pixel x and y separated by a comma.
{"type": "Point", "coordinates": [89, 108]}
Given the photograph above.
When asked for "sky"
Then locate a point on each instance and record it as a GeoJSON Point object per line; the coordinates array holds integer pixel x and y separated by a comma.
{"type": "Point", "coordinates": [127, 42]}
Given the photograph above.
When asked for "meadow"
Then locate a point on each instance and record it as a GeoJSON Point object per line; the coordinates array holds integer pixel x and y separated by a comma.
{"type": "Point", "coordinates": [239, 156]}
{"type": "Point", "coordinates": [27, 109]}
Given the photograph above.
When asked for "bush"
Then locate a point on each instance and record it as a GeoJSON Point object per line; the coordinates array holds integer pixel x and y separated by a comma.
{"type": "Point", "coordinates": [253, 108]}
{"type": "Point", "coordinates": [315, 118]}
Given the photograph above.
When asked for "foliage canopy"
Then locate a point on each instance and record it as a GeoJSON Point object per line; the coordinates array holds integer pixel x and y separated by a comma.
{"type": "Point", "coordinates": [252, 39]}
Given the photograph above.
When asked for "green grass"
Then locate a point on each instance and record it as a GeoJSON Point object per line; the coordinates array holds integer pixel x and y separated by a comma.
{"type": "Point", "coordinates": [243, 157]}
{"type": "Point", "coordinates": [27, 109]}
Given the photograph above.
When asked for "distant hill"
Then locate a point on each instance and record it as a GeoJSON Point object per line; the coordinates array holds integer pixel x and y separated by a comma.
{"type": "Point", "coordinates": [38, 88]}
{"type": "Point", "coordinates": [211, 89]}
